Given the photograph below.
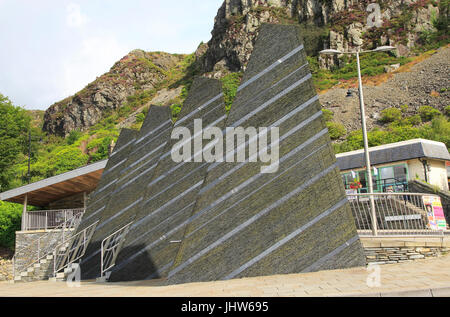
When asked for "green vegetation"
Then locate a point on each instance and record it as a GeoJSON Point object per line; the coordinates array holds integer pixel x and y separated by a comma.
{"type": "Point", "coordinates": [401, 129]}
{"type": "Point", "coordinates": [336, 130]}
{"type": "Point", "coordinates": [230, 84]}
{"type": "Point", "coordinates": [10, 220]}
{"type": "Point", "coordinates": [14, 128]}
{"type": "Point", "coordinates": [74, 136]}
{"type": "Point", "coordinates": [50, 155]}
{"type": "Point", "coordinates": [428, 113]}
{"type": "Point", "coordinates": [371, 64]}
{"type": "Point", "coordinates": [447, 111]}
{"type": "Point", "coordinates": [391, 115]}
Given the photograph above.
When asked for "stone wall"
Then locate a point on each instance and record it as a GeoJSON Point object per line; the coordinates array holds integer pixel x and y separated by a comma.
{"type": "Point", "coordinates": [400, 255]}
{"type": "Point", "coordinates": [27, 247]}
{"type": "Point", "coordinates": [388, 250]}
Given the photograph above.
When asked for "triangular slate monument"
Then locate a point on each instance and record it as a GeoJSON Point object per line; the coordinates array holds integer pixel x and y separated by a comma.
{"type": "Point", "coordinates": [297, 219]}
{"type": "Point", "coordinates": [142, 158]}
{"type": "Point", "coordinates": [158, 229]}
{"type": "Point", "coordinates": [274, 204]}
{"type": "Point", "coordinates": [97, 201]}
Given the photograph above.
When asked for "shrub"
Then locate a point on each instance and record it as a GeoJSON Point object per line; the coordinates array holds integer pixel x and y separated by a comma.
{"type": "Point", "coordinates": [327, 115]}
{"type": "Point", "coordinates": [176, 109]}
{"type": "Point", "coordinates": [391, 115]}
{"type": "Point", "coordinates": [415, 120]}
{"type": "Point", "coordinates": [68, 159]}
{"type": "Point", "coordinates": [230, 84]}
{"type": "Point", "coordinates": [336, 130]}
{"type": "Point", "coordinates": [140, 117]}
{"type": "Point", "coordinates": [73, 137]}
{"type": "Point", "coordinates": [428, 113]}
{"type": "Point", "coordinates": [10, 222]}
{"type": "Point", "coordinates": [447, 111]}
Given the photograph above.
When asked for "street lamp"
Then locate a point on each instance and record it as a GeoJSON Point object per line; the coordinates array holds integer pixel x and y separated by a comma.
{"type": "Point", "coordinates": [363, 123]}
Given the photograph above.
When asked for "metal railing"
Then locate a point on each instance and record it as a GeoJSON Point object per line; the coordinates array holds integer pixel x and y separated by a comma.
{"type": "Point", "coordinates": [110, 247]}
{"type": "Point", "coordinates": [396, 214]}
{"type": "Point", "coordinates": [47, 219]}
{"type": "Point", "coordinates": [398, 185]}
{"type": "Point", "coordinates": [43, 246]}
{"type": "Point", "coordinates": [73, 249]}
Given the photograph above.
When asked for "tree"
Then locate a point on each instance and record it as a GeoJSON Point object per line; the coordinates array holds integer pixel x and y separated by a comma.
{"type": "Point", "coordinates": [14, 127]}
{"type": "Point", "coordinates": [10, 220]}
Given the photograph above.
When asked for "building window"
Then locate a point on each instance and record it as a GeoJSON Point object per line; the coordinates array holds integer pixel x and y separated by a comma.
{"type": "Point", "coordinates": [388, 179]}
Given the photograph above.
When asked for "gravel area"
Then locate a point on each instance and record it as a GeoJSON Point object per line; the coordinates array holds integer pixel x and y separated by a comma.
{"type": "Point", "coordinates": [426, 84]}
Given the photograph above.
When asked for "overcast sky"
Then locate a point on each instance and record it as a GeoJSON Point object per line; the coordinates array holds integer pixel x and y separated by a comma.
{"type": "Point", "coordinates": [50, 49]}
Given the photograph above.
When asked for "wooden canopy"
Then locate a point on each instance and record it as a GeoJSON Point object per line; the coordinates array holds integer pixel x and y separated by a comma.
{"type": "Point", "coordinates": [42, 193]}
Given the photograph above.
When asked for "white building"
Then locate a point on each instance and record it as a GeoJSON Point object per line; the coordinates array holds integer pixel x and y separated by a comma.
{"type": "Point", "coordinates": [396, 164]}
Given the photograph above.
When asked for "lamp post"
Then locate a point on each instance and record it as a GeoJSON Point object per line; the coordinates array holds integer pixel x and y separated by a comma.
{"type": "Point", "coordinates": [364, 125]}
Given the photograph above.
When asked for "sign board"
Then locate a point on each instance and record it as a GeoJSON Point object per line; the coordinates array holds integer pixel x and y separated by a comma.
{"type": "Point", "coordinates": [435, 212]}
{"type": "Point", "coordinates": [403, 218]}
{"type": "Point", "coordinates": [351, 192]}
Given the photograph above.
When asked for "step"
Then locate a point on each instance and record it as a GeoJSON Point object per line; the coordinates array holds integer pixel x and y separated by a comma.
{"type": "Point", "coordinates": [37, 265]}
{"type": "Point", "coordinates": [60, 275]}
{"type": "Point", "coordinates": [50, 257]}
{"type": "Point", "coordinates": [43, 261]}
{"type": "Point", "coordinates": [55, 280]}
{"type": "Point", "coordinates": [30, 270]}
{"type": "Point", "coordinates": [24, 274]}
{"type": "Point", "coordinates": [17, 278]}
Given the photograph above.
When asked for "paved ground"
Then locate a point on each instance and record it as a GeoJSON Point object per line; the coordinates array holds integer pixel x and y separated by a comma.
{"type": "Point", "coordinates": [430, 277]}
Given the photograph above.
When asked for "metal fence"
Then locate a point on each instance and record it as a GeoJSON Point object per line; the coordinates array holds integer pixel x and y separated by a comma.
{"type": "Point", "coordinates": [396, 214]}
{"type": "Point", "coordinates": [72, 249]}
{"type": "Point", "coordinates": [47, 219]}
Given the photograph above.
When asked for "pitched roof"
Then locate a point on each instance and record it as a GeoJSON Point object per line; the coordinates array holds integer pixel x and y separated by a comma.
{"type": "Point", "coordinates": [395, 152]}
{"type": "Point", "coordinates": [41, 193]}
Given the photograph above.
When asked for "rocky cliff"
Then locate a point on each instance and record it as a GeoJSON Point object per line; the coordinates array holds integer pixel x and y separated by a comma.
{"type": "Point", "coordinates": [136, 72]}
{"type": "Point", "coordinates": [339, 24]}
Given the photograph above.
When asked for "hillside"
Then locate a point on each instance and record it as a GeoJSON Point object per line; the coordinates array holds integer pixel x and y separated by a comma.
{"type": "Point", "coordinates": [80, 129]}
{"type": "Point", "coordinates": [132, 83]}
{"type": "Point", "coordinates": [337, 23]}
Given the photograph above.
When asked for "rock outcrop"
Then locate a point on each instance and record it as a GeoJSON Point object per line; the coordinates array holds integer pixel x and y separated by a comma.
{"type": "Point", "coordinates": [137, 71]}
{"type": "Point", "coordinates": [339, 24]}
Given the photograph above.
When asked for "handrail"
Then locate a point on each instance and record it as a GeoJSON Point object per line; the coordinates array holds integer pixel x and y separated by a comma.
{"type": "Point", "coordinates": [69, 224]}
{"type": "Point", "coordinates": [396, 214]}
{"type": "Point", "coordinates": [392, 194]}
{"type": "Point", "coordinates": [47, 219]}
{"type": "Point", "coordinates": [386, 182]}
{"type": "Point", "coordinates": [109, 248]}
{"type": "Point", "coordinates": [73, 249]}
